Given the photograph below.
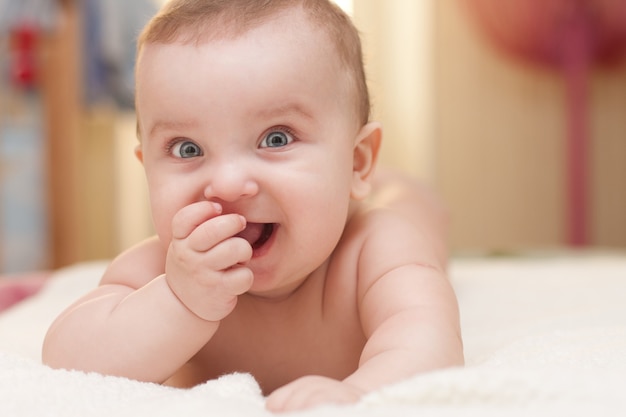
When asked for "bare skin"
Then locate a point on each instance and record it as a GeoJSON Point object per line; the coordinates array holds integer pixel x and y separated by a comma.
{"type": "Point", "coordinates": [320, 329]}
{"type": "Point", "coordinates": [317, 330]}
{"type": "Point", "coordinates": [272, 256]}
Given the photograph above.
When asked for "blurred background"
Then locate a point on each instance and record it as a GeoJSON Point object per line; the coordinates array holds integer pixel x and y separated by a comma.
{"type": "Point", "coordinates": [514, 114]}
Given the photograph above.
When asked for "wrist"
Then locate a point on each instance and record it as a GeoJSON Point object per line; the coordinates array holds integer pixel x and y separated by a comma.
{"type": "Point", "coordinates": [195, 305]}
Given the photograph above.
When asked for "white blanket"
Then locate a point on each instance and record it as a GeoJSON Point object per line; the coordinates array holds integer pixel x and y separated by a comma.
{"type": "Point", "coordinates": [543, 336]}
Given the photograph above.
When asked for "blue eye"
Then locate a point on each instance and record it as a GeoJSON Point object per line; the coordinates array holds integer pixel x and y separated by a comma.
{"type": "Point", "coordinates": [186, 149]}
{"type": "Point", "coordinates": [276, 139]}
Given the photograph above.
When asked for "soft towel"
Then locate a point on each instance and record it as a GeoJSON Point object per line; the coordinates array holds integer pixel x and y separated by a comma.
{"type": "Point", "coordinates": [544, 336]}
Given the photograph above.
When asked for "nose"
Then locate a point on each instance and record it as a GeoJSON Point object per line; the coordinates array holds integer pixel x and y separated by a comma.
{"type": "Point", "coordinates": [230, 181]}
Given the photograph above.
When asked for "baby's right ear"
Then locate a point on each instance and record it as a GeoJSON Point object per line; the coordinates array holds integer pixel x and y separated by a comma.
{"type": "Point", "coordinates": [139, 153]}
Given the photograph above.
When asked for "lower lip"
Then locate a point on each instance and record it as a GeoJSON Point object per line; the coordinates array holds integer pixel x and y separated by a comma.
{"type": "Point", "coordinates": [257, 253]}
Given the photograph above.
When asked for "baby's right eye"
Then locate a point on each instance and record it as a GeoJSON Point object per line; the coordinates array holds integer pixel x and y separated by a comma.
{"type": "Point", "coordinates": [186, 149]}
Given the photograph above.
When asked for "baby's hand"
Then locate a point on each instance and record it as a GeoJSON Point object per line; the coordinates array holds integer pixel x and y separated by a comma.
{"type": "Point", "coordinates": [204, 260]}
{"type": "Point", "coordinates": [311, 391]}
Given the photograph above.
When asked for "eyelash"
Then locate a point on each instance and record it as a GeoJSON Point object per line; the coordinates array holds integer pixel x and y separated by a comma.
{"type": "Point", "coordinates": [283, 129]}
{"type": "Point", "coordinates": [169, 146]}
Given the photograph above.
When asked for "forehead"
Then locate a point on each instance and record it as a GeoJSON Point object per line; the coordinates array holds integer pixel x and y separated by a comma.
{"type": "Point", "coordinates": [284, 53]}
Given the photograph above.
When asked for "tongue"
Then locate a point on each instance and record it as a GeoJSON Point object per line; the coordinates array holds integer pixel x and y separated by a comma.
{"type": "Point", "coordinates": [252, 233]}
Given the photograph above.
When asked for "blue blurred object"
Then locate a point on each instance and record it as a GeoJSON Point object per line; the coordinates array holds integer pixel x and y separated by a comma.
{"type": "Point", "coordinates": [24, 239]}
{"type": "Point", "coordinates": [111, 30]}
{"type": "Point", "coordinates": [24, 234]}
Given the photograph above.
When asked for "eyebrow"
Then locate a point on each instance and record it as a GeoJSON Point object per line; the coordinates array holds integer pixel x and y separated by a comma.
{"type": "Point", "coordinates": [286, 109]}
{"type": "Point", "coordinates": [289, 108]}
{"type": "Point", "coordinates": [171, 125]}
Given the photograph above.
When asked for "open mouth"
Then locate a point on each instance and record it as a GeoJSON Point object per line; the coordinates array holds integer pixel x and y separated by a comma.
{"type": "Point", "coordinates": [257, 234]}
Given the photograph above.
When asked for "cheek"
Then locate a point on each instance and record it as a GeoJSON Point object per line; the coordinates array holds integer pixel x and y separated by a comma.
{"type": "Point", "coordinates": [322, 223]}
{"type": "Point", "coordinates": [161, 216]}
{"type": "Point", "coordinates": [165, 201]}
{"type": "Point", "coordinates": [322, 201]}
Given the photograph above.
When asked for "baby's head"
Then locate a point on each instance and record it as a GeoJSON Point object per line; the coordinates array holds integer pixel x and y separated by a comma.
{"type": "Point", "coordinates": [195, 21]}
{"type": "Point", "coordinates": [261, 107]}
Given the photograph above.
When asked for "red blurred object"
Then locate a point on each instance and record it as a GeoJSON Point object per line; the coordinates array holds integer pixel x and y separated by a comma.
{"type": "Point", "coordinates": [15, 288]}
{"type": "Point", "coordinates": [24, 55]}
{"type": "Point", "coordinates": [571, 36]}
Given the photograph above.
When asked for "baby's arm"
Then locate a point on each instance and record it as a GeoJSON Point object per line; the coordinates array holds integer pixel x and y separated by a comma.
{"type": "Point", "coordinates": [408, 309]}
{"type": "Point", "coordinates": [145, 328]}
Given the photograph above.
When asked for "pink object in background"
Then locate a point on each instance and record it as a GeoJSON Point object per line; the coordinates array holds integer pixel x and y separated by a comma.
{"type": "Point", "coordinates": [15, 288]}
{"type": "Point", "coordinates": [571, 36]}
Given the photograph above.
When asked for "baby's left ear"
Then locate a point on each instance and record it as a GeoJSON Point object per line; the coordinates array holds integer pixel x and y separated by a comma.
{"type": "Point", "coordinates": [366, 146]}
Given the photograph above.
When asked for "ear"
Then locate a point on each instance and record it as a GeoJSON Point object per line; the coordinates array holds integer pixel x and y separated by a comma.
{"type": "Point", "coordinates": [138, 150]}
{"type": "Point", "coordinates": [139, 153]}
{"type": "Point", "coordinates": [366, 146]}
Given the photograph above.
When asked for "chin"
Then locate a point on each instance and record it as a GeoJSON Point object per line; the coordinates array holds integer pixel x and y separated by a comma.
{"type": "Point", "coordinates": [271, 290]}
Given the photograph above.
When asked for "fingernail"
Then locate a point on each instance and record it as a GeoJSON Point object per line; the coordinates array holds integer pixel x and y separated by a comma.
{"type": "Point", "coordinates": [217, 206]}
{"type": "Point", "coordinates": [243, 220]}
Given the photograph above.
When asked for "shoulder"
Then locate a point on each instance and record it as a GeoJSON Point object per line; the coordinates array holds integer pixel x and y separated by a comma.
{"type": "Point", "coordinates": [387, 229]}
{"type": "Point", "coordinates": [388, 240]}
{"type": "Point", "coordinates": [138, 265]}
{"type": "Point", "coordinates": [399, 268]}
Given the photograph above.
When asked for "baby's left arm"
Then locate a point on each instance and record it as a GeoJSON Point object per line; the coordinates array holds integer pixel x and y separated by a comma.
{"type": "Point", "coordinates": [408, 311]}
{"type": "Point", "coordinates": [406, 337]}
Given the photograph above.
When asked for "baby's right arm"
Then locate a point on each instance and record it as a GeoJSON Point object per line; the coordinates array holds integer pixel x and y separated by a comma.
{"type": "Point", "coordinates": [143, 324]}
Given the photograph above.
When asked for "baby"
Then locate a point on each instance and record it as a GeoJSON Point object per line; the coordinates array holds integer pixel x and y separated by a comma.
{"type": "Point", "coordinates": [277, 252]}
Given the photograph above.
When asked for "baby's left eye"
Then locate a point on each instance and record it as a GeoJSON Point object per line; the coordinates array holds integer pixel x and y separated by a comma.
{"type": "Point", "coordinates": [276, 139]}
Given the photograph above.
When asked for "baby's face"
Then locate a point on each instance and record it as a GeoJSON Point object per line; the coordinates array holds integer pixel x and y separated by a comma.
{"type": "Point", "coordinates": [263, 124]}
